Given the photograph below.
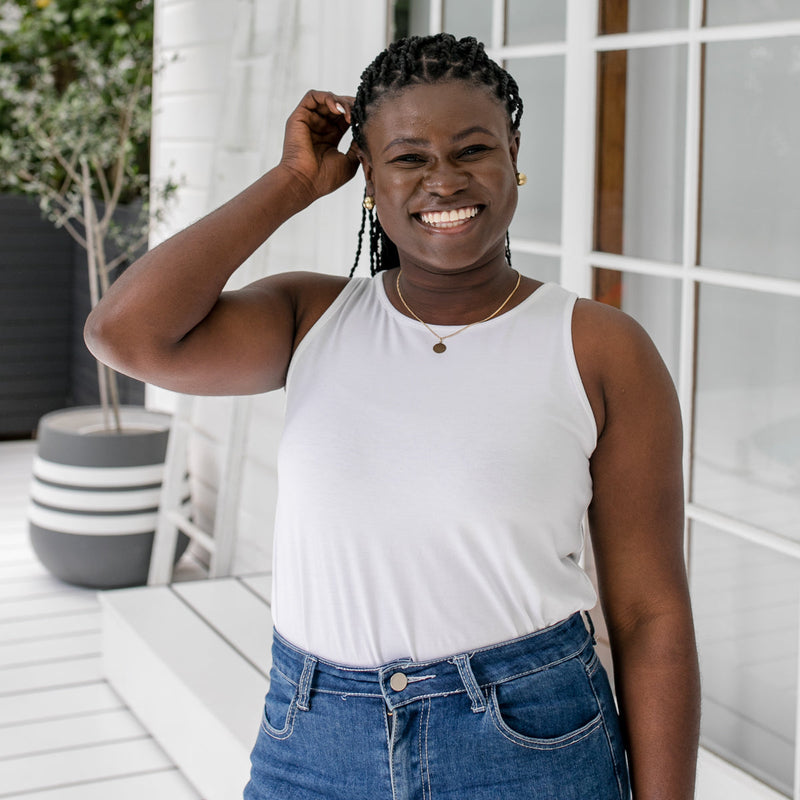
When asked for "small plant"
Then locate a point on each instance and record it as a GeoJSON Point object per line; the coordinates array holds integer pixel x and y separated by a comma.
{"type": "Point", "coordinates": [75, 115]}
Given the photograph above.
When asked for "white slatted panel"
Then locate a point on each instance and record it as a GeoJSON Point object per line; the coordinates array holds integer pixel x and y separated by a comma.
{"type": "Point", "coordinates": [66, 767]}
{"type": "Point", "coordinates": [57, 703]}
{"type": "Point", "coordinates": [18, 654]}
{"type": "Point", "coordinates": [62, 601]}
{"type": "Point", "coordinates": [261, 585]}
{"type": "Point", "coordinates": [63, 734]}
{"type": "Point", "coordinates": [164, 785]}
{"type": "Point", "coordinates": [43, 627]}
{"type": "Point", "coordinates": [239, 615]}
{"type": "Point", "coordinates": [37, 677]}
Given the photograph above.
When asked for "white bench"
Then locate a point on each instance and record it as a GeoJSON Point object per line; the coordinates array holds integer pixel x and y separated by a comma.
{"type": "Point", "coordinates": [192, 661]}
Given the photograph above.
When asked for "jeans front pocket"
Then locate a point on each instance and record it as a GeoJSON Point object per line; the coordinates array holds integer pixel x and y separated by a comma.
{"type": "Point", "coordinates": [550, 708]}
{"type": "Point", "coordinates": [280, 706]}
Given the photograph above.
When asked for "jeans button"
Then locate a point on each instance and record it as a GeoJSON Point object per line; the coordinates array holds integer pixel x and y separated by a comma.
{"type": "Point", "coordinates": [398, 681]}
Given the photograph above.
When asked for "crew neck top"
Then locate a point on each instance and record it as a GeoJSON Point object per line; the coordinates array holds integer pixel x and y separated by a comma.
{"type": "Point", "coordinates": [431, 504]}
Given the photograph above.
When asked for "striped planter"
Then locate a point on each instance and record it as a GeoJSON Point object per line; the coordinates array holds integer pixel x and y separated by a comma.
{"type": "Point", "coordinates": [95, 494]}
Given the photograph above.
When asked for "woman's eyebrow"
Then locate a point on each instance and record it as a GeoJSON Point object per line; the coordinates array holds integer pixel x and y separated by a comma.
{"type": "Point", "coordinates": [469, 131]}
{"type": "Point", "coordinates": [406, 140]}
{"type": "Point", "coordinates": [456, 137]}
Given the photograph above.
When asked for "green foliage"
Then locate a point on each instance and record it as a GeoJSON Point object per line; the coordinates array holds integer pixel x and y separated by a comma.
{"type": "Point", "coordinates": [75, 90]}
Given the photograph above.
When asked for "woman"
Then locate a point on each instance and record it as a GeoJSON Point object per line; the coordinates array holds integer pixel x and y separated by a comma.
{"type": "Point", "coordinates": [449, 421]}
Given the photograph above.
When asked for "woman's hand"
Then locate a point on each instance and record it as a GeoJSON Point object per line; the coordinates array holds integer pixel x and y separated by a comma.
{"type": "Point", "coordinates": [310, 149]}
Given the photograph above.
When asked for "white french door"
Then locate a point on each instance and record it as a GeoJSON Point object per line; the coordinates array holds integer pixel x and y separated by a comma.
{"type": "Point", "coordinates": [660, 139]}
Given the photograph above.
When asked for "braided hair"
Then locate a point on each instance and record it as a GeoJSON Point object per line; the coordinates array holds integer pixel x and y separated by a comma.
{"type": "Point", "coordinates": [423, 60]}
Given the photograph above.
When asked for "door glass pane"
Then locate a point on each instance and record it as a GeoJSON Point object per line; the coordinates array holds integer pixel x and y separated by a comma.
{"type": "Point", "coordinates": [733, 12]}
{"type": "Point", "coordinates": [655, 303]}
{"type": "Point", "coordinates": [746, 614]}
{"type": "Point", "coordinates": [541, 86]}
{"type": "Point", "coordinates": [643, 15]}
{"type": "Point", "coordinates": [412, 18]}
{"type": "Point", "coordinates": [531, 21]}
{"type": "Point", "coordinates": [542, 268]}
{"type": "Point", "coordinates": [655, 135]}
{"type": "Point", "coordinates": [643, 113]}
{"type": "Point", "coordinates": [746, 445]}
{"type": "Point", "coordinates": [751, 162]}
{"type": "Point", "coordinates": [469, 18]}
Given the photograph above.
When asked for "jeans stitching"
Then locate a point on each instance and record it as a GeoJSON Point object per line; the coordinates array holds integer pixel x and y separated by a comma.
{"type": "Point", "coordinates": [593, 663]}
{"type": "Point", "coordinates": [470, 684]}
{"type": "Point", "coordinates": [425, 716]}
{"type": "Point", "coordinates": [286, 731]}
{"type": "Point", "coordinates": [533, 743]}
{"type": "Point", "coordinates": [614, 761]}
{"type": "Point", "coordinates": [304, 688]}
{"type": "Point", "coordinates": [576, 654]}
{"type": "Point", "coordinates": [405, 663]}
{"type": "Point", "coordinates": [391, 758]}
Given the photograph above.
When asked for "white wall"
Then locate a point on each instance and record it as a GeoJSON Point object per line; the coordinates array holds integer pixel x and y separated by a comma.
{"type": "Point", "coordinates": [233, 72]}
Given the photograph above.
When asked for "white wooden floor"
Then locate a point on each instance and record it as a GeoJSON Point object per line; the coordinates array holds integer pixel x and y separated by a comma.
{"type": "Point", "coordinates": [64, 733]}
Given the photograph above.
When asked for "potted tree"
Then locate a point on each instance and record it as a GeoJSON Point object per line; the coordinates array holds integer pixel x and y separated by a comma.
{"type": "Point", "coordinates": [75, 113]}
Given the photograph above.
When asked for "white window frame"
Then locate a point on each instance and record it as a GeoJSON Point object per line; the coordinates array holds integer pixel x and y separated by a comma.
{"type": "Point", "coordinates": [578, 259]}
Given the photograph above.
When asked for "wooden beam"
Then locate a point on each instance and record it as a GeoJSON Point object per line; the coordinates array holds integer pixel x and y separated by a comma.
{"type": "Point", "coordinates": [612, 75]}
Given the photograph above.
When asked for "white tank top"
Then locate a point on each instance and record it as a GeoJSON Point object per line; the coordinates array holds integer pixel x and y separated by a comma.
{"type": "Point", "coordinates": [430, 504]}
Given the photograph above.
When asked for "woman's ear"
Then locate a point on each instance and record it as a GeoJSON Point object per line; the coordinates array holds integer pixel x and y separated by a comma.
{"type": "Point", "coordinates": [366, 165]}
{"type": "Point", "coordinates": [514, 147]}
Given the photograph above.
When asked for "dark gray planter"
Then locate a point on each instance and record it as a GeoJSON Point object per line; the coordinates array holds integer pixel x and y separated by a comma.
{"type": "Point", "coordinates": [95, 495]}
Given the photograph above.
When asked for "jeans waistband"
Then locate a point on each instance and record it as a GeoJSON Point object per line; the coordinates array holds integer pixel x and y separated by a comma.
{"type": "Point", "coordinates": [404, 680]}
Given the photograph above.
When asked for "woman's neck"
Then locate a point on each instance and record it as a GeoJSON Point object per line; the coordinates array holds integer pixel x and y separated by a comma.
{"type": "Point", "coordinates": [456, 298]}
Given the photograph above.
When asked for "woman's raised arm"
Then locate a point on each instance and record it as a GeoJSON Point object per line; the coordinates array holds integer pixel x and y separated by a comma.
{"type": "Point", "coordinates": [167, 321]}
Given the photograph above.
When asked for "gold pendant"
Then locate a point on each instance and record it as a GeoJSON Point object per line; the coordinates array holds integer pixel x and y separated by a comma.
{"type": "Point", "coordinates": [439, 347]}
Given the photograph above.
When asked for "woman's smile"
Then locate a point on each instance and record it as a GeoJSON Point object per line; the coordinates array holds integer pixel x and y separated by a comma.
{"type": "Point", "coordinates": [455, 219]}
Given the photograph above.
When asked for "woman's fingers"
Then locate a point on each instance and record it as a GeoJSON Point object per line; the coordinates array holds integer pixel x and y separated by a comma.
{"type": "Point", "coordinates": [329, 106]}
{"type": "Point", "coordinates": [313, 134]}
{"type": "Point", "coordinates": [342, 105]}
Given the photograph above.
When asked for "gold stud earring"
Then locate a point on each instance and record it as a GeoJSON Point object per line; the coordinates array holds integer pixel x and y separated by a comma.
{"type": "Point", "coordinates": [522, 179]}
{"type": "Point", "coordinates": [369, 202]}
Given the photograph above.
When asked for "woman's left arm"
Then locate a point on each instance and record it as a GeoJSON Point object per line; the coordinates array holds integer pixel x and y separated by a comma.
{"type": "Point", "coordinates": [636, 523]}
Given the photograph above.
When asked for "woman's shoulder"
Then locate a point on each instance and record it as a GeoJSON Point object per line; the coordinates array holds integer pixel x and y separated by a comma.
{"type": "Point", "coordinates": [615, 356]}
{"type": "Point", "coordinates": [310, 293]}
{"type": "Point", "coordinates": [603, 327]}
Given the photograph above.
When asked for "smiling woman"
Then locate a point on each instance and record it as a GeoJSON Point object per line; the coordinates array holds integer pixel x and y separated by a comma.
{"type": "Point", "coordinates": [431, 627]}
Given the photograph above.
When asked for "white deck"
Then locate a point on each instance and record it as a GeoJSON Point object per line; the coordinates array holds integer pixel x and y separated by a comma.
{"type": "Point", "coordinates": [65, 734]}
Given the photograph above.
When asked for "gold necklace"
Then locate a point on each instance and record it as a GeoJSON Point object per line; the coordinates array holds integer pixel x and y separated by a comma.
{"type": "Point", "coordinates": [440, 346]}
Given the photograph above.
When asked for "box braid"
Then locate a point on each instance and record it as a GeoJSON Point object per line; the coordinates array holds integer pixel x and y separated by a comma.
{"type": "Point", "coordinates": [423, 59]}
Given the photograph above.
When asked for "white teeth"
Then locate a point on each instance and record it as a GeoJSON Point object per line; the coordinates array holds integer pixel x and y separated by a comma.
{"type": "Point", "coordinates": [445, 219]}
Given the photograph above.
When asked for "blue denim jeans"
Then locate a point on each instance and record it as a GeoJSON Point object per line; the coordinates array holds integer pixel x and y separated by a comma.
{"type": "Point", "coordinates": [530, 718]}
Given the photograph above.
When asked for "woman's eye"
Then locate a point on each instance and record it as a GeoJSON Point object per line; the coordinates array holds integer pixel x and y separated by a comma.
{"type": "Point", "coordinates": [474, 150]}
{"type": "Point", "coordinates": [407, 158]}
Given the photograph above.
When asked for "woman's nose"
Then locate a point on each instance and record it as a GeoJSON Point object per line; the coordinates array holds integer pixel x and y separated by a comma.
{"type": "Point", "coordinates": [444, 179]}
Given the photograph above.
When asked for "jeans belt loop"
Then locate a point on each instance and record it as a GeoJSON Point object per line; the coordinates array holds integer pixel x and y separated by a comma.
{"type": "Point", "coordinates": [591, 626]}
{"type": "Point", "coordinates": [304, 689]}
{"type": "Point", "coordinates": [470, 683]}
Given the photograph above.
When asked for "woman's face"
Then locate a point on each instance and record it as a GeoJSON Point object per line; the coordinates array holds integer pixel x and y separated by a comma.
{"type": "Point", "coordinates": [441, 165]}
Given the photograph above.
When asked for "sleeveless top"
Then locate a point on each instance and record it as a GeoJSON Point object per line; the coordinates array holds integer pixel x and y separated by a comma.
{"type": "Point", "coordinates": [430, 504]}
